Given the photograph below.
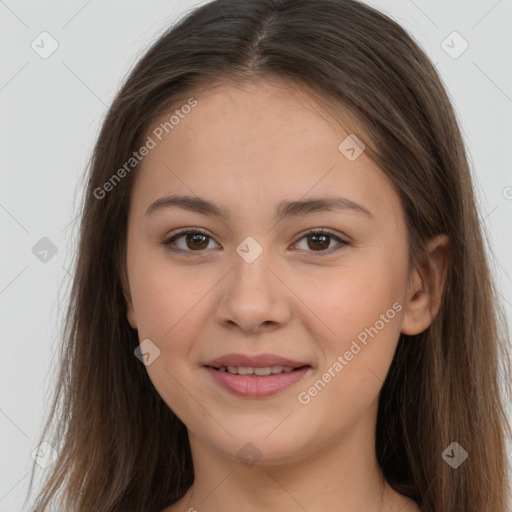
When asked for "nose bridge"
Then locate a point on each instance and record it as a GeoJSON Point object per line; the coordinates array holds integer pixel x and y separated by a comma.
{"type": "Point", "coordinates": [253, 295]}
{"type": "Point", "coordinates": [252, 262]}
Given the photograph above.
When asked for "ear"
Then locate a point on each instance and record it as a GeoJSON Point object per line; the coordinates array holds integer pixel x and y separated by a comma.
{"type": "Point", "coordinates": [130, 310]}
{"type": "Point", "coordinates": [426, 286]}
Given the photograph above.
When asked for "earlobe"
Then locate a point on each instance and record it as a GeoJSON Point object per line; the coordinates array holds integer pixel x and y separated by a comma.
{"type": "Point", "coordinates": [427, 286]}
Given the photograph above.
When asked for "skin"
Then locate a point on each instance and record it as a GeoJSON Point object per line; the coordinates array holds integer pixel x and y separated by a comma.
{"type": "Point", "coordinates": [247, 148]}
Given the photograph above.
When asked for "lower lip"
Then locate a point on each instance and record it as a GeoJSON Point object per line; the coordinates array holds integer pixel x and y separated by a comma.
{"type": "Point", "coordinates": [257, 386]}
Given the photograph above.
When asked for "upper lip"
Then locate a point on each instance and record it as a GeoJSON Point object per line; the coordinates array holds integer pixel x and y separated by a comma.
{"type": "Point", "coordinates": [254, 361]}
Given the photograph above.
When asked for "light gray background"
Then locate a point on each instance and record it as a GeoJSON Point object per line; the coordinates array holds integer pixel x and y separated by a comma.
{"type": "Point", "coordinates": [51, 110]}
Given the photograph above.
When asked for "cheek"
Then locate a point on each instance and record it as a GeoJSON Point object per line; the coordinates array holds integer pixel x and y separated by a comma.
{"type": "Point", "coordinates": [164, 295]}
{"type": "Point", "coordinates": [361, 307]}
{"type": "Point", "coordinates": [357, 357]}
{"type": "Point", "coordinates": [167, 302]}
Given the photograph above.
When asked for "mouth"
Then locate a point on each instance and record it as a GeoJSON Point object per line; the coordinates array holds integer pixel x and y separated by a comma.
{"type": "Point", "coordinates": [256, 376]}
{"type": "Point", "coordinates": [259, 371]}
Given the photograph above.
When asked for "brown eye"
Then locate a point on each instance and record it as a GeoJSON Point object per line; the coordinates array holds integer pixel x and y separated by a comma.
{"type": "Point", "coordinates": [194, 241]}
{"type": "Point", "coordinates": [320, 240]}
{"type": "Point", "coordinates": [197, 241]}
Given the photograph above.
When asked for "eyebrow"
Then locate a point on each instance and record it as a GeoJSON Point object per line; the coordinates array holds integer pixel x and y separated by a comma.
{"type": "Point", "coordinates": [284, 208]}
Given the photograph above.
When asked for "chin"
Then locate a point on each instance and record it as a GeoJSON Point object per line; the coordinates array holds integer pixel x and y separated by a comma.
{"type": "Point", "coordinates": [265, 444]}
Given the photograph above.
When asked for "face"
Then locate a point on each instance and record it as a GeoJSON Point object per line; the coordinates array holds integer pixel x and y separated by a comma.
{"type": "Point", "coordinates": [320, 290]}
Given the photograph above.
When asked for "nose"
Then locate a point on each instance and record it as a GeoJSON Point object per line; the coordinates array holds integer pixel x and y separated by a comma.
{"type": "Point", "coordinates": [254, 296]}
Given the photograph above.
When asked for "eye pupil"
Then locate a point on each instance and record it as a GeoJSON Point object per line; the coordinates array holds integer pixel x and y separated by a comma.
{"type": "Point", "coordinates": [324, 237]}
{"type": "Point", "coordinates": [195, 237]}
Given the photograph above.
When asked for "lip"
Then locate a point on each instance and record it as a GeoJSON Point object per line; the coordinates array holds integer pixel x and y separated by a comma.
{"type": "Point", "coordinates": [254, 361]}
{"type": "Point", "coordinates": [253, 386]}
{"type": "Point", "coordinates": [256, 386]}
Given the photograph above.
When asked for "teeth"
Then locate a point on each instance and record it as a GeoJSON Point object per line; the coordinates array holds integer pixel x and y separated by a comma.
{"type": "Point", "coordinates": [249, 370]}
{"type": "Point", "coordinates": [263, 371]}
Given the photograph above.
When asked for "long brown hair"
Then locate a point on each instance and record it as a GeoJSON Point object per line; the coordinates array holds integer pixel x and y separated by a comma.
{"type": "Point", "coordinates": [120, 446]}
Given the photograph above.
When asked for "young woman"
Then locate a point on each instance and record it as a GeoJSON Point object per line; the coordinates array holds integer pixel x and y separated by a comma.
{"type": "Point", "coordinates": [281, 298]}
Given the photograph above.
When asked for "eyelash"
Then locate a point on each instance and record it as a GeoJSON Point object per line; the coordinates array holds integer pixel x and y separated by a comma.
{"type": "Point", "coordinates": [197, 231]}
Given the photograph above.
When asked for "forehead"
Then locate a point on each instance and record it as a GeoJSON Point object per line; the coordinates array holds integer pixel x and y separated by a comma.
{"type": "Point", "coordinates": [254, 144]}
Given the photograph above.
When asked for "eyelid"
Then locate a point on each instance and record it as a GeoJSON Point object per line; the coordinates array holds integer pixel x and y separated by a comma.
{"type": "Point", "coordinates": [185, 231]}
{"type": "Point", "coordinates": [324, 231]}
{"type": "Point", "coordinates": [342, 242]}
{"type": "Point", "coordinates": [311, 231]}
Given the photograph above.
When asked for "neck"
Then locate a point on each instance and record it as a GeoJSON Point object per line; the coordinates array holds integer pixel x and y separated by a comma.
{"type": "Point", "coordinates": [343, 474]}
